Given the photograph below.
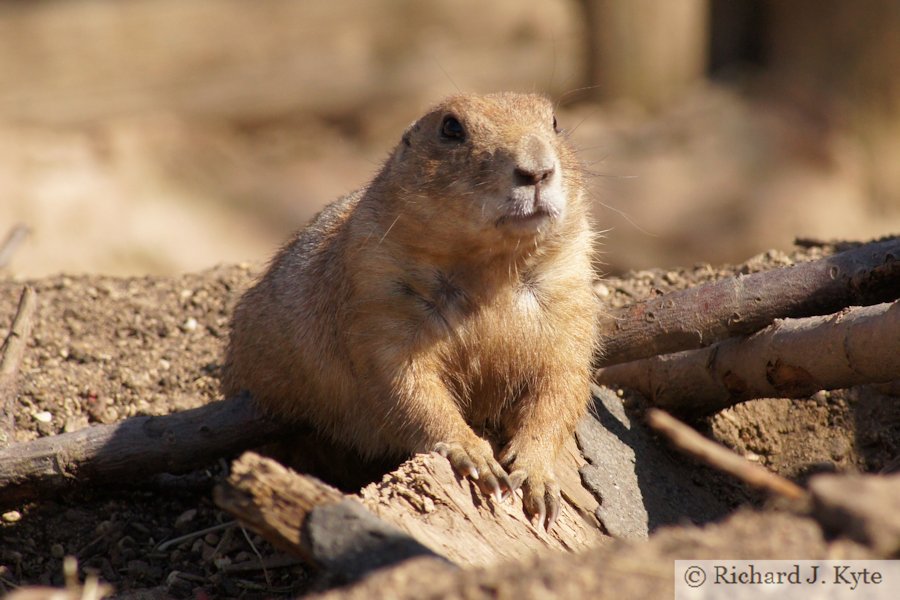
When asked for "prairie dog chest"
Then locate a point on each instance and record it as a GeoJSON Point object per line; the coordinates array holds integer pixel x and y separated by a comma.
{"type": "Point", "coordinates": [480, 335]}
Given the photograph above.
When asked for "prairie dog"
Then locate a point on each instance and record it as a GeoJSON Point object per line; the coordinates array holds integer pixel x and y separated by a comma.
{"type": "Point", "coordinates": [450, 296]}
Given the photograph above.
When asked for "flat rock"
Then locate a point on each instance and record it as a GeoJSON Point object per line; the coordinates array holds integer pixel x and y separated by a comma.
{"type": "Point", "coordinates": [639, 484]}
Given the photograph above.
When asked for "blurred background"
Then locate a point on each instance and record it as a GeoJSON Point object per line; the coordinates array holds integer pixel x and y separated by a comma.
{"type": "Point", "coordinates": [161, 136]}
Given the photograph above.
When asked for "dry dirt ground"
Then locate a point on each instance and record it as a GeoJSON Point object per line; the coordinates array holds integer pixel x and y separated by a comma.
{"type": "Point", "coordinates": [105, 348]}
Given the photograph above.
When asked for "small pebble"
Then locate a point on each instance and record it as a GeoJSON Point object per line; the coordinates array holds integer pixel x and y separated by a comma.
{"type": "Point", "coordinates": [43, 416]}
{"type": "Point", "coordinates": [12, 516]}
{"type": "Point", "coordinates": [185, 518]}
{"type": "Point", "coordinates": [189, 325]}
{"type": "Point", "coordinates": [178, 586]}
{"type": "Point", "coordinates": [821, 397]}
{"type": "Point", "coordinates": [74, 423]}
{"type": "Point", "coordinates": [57, 551]}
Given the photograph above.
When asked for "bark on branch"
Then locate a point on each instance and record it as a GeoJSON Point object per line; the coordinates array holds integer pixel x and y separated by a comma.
{"type": "Point", "coordinates": [131, 449]}
{"type": "Point", "coordinates": [740, 305]}
{"type": "Point", "coordinates": [792, 358]}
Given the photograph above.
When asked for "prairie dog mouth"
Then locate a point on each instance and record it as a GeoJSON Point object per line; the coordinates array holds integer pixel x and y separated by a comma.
{"type": "Point", "coordinates": [532, 220]}
{"type": "Point", "coordinates": [531, 206]}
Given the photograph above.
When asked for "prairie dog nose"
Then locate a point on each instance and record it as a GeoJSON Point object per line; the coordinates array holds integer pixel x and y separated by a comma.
{"type": "Point", "coordinates": [535, 161]}
{"type": "Point", "coordinates": [526, 177]}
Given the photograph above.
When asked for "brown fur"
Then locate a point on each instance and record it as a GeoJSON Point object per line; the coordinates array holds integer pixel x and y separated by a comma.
{"type": "Point", "coordinates": [417, 312]}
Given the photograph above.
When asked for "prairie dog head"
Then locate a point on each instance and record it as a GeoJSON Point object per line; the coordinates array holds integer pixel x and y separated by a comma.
{"type": "Point", "coordinates": [493, 169]}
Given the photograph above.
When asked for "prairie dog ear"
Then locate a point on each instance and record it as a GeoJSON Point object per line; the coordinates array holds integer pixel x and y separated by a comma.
{"type": "Point", "coordinates": [406, 141]}
{"type": "Point", "coordinates": [406, 138]}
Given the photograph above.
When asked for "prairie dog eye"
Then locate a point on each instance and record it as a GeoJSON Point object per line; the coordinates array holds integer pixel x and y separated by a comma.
{"type": "Point", "coordinates": [452, 129]}
{"type": "Point", "coordinates": [555, 124]}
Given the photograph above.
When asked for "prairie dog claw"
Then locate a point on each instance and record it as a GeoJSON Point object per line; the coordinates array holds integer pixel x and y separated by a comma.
{"type": "Point", "coordinates": [476, 461]}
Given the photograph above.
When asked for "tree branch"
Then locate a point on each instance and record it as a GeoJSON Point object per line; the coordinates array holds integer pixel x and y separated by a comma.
{"type": "Point", "coordinates": [132, 449]}
{"type": "Point", "coordinates": [792, 358]}
{"type": "Point", "coordinates": [705, 314]}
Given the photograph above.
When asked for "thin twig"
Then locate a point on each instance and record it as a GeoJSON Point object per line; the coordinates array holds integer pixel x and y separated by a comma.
{"type": "Point", "coordinates": [194, 534]}
{"type": "Point", "coordinates": [258, 555]}
{"type": "Point", "coordinates": [11, 354]}
{"type": "Point", "coordinates": [14, 346]}
{"type": "Point", "coordinates": [719, 457]}
{"type": "Point", "coordinates": [13, 240]}
{"type": "Point", "coordinates": [278, 561]}
{"type": "Point", "coordinates": [7, 582]}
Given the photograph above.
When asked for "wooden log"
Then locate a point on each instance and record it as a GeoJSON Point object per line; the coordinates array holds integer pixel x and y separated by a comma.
{"type": "Point", "coordinates": [793, 358]}
{"type": "Point", "coordinates": [131, 449]}
{"type": "Point", "coordinates": [740, 305]}
{"type": "Point", "coordinates": [423, 499]}
{"type": "Point", "coordinates": [426, 499]}
{"type": "Point", "coordinates": [313, 520]}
